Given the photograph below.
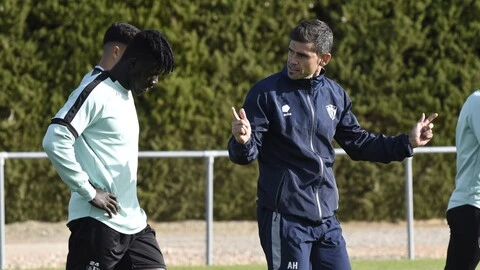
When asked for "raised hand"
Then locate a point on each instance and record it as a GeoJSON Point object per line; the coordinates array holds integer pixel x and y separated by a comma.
{"type": "Point", "coordinates": [421, 132]}
{"type": "Point", "coordinates": [106, 201]}
{"type": "Point", "coordinates": [241, 126]}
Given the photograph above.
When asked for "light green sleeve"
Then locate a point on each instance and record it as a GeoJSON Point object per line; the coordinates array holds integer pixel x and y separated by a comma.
{"type": "Point", "coordinates": [58, 144]}
{"type": "Point", "coordinates": [474, 117]}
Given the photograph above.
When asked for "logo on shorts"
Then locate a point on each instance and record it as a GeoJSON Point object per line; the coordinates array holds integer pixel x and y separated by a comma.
{"type": "Point", "coordinates": [93, 266]}
{"type": "Point", "coordinates": [292, 265]}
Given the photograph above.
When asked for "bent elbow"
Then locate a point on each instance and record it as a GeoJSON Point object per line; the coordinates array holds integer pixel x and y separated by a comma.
{"type": "Point", "coordinates": [47, 143]}
{"type": "Point", "coordinates": [240, 161]}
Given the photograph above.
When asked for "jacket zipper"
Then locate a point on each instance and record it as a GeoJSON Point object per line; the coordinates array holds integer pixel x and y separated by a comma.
{"type": "Point", "coordinates": [312, 110]}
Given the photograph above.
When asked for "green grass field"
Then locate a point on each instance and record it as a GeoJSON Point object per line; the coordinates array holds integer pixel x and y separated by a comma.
{"type": "Point", "coordinates": [433, 264]}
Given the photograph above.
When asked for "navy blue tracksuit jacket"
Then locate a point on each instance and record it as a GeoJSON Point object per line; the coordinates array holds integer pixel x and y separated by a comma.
{"type": "Point", "coordinates": [293, 125]}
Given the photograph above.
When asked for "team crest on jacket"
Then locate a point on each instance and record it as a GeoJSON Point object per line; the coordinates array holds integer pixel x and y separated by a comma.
{"type": "Point", "coordinates": [332, 110]}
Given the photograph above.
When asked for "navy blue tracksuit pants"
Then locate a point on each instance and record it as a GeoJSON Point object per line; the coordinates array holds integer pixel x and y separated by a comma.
{"type": "Point", "coordinates": [293, 243]}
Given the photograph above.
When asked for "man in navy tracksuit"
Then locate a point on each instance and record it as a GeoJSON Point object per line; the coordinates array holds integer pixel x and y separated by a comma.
{"type": "Point", "coordinates": [293, 117]}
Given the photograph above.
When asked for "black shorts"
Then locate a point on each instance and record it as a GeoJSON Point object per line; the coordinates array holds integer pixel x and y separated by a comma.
{"type": "Point", "coordinates": [95, 246]}
{"type": "Point", "coordinates": [463, 248]}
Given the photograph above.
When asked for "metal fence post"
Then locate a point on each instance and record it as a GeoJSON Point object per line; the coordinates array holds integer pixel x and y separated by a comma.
{"type": "Point", "coordinates": [209, 208]}
{"type": "Point", "coordinates": [409, 206]}
{"type": "Point", "coordinates": [2, 211]}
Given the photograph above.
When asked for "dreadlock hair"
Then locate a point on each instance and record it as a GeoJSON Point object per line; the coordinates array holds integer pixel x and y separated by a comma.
{"type": "Point", "coordinates": [152, 44]}
{"type": "Point", "coordinates": [121, 32]}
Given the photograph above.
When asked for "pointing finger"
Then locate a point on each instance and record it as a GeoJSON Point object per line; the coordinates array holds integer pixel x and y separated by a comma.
{"type": "Point", "coordinates": [234, 113]}
{"type": "Point", "coordinates": [431, 118]}
{"type": "Point", "coordinates": [422, 119]}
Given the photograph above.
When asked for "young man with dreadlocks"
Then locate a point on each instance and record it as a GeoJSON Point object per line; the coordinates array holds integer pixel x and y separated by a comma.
{"type": "Point", "coordinates": [93, 144]}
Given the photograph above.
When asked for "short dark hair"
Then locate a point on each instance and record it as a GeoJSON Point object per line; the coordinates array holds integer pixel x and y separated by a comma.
{"type": "Point", "coordinates": [120, 32]}
{"type": "Point", "coordinates": [316, 32]}
{"type": "Point", "coordinates": [152, 44]}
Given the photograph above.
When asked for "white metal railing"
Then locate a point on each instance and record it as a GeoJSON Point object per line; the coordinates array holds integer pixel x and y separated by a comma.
{"type": "Point", "coordinates": [209, 156]}
{"type": "Point", "coordinates": [409, 189]}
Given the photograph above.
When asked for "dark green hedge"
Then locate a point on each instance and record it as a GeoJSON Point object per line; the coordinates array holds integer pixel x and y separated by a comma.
{"type": "Point", "coordinates": [396, 59]}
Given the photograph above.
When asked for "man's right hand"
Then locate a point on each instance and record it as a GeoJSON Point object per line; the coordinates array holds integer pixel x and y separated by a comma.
{"type": "Point", "coordinates": [106, 201]}
{"type": "Point", "coordinates": [241, 126]}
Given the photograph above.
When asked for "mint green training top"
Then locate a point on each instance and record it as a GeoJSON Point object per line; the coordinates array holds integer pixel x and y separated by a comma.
{"type": "Point", "coordinates": [93, 142]}
{"type": "Point", "coordinates": [467, 180]}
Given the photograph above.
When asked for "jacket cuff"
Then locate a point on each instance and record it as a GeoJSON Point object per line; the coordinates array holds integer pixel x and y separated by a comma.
{"type": "Point", "coordinates": [244, 148]}
{"type": "Point", "coordinates": [408, 146]}
{"type": "Point", "coordinates": [87, 191]}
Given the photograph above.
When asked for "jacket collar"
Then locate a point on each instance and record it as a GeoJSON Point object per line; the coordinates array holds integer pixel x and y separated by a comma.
{"type": "Point", "coordinates": [308, 84]}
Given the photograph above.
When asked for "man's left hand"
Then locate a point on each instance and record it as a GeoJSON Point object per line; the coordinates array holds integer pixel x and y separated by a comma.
{"type": "Point", "coordinates": [421, 132]}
